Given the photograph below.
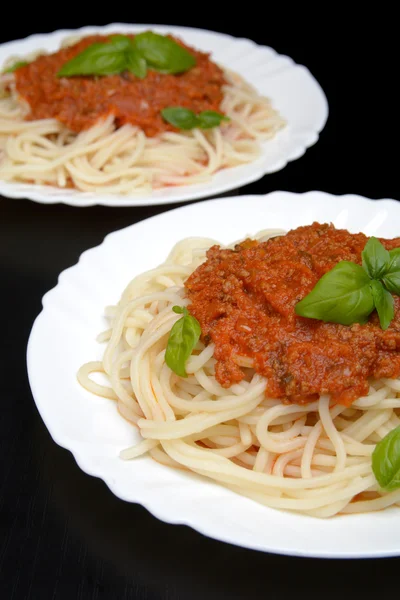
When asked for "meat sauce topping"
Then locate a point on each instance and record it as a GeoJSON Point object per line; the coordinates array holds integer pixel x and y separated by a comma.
{"type": "Point", "coordinates": [244, 300]}
{"type": "Point", "coordinates": [79, 102]}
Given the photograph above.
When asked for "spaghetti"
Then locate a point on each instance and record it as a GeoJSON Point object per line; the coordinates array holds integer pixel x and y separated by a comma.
{"type": "Point", "coordinates": [313, 458]}
{"type": "Point", "coordinates": [113, 156]}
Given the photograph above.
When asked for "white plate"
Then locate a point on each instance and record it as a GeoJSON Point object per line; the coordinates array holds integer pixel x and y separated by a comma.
{"type": "Point", "coordinates": [63, 338]}
{"type": "Point", "coordinates": [293, 90]}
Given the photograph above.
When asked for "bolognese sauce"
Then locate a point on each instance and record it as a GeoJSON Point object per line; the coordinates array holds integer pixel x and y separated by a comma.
{"type": "Point", "coordinates": [79, 102]}
{"type": "Point", "coordinates": [244, 300]}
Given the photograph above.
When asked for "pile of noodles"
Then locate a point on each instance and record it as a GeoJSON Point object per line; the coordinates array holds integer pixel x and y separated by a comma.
{"type": "Point", "coordinates": [313, 458]}
{"type": "Point", "coordinates": [123, 160]}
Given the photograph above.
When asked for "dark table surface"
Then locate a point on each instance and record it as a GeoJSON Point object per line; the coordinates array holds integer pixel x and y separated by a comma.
{"type": "Point", "coordinates": [63, 533]}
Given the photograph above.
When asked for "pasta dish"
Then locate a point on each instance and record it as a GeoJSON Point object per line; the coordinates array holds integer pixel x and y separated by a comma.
{"type": "Point", "coordinates": [270, 366]}
{"type": "Point", "coordinates": [126, 114]}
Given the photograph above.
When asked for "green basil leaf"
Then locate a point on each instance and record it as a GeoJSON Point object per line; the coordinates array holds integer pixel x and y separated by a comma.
{"type": "Point", "coordinates": [391, 278]}
{"type": "Point", "coordinates": [211, 118]}
{"type": "Point", "coordinates": [375, 258]}
{"type": "Point", "coordinates": [15, 66]}
{"type": "Point", "coordinates": [386, 461]}
{"type": "Point", "coordinates": [343, 295]}
{"type": "Point", "coordinates": [384, 303]}
{"type": "Point", "coordinates": [392, 282]}
{"type": "Point", "coordinates": [179, 117]}
{"type": "Point", "coordinates": [121, 42]}
{"type": "Point", "coordinates": [97, 59]}
{"type": "Point", "coordinates": [394, 259]}
{"type": "Point", "coordinates": [183, 337]}
{"type": "Point", "coordinates": [163, 54]}
{"type": "Point", "coordinates": [136, 64]}
{"type": "Point", "coordinates": [180, 310]}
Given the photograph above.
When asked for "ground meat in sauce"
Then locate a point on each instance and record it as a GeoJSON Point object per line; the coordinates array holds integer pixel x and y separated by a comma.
{"type": "Point", "coordinates": [79, 102]}
{"type": "Point", "coordinates": [244, 300]}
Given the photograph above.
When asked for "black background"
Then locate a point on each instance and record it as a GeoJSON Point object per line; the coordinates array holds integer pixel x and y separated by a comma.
{"type": "Point", "coordinates": [63, 534]}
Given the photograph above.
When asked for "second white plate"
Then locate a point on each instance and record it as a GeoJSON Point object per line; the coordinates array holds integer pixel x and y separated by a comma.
{"type": "Point", "coordinates": [293, 90]}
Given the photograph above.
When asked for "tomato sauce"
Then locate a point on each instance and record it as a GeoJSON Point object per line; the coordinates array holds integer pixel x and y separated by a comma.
{"type": "Point", "coordinates": [79, 102]}
{"type": "Point", "coordinates": [244, 300]}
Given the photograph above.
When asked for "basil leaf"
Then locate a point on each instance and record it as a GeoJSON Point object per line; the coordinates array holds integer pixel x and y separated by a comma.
{"type": "Point", "coordinates": [122, 53]}
{"type": "Point", "coordinates": [121, 42]}
{"type": "Point", "coordinates": [211, 118]}
{"type": "Point", "coordinates": [375, 258]}
{"type": "Point", "coordinates": [392, 282]}
{"type": "Point", "coordinates": [15, 66]}
{"type": "Point", "coordinates": [136, 64]}
{"type": "Point", "coordinates": [394, 259]}
{"type": "Point", "coordinates": [391, 278]}
{"type": "Point", "coordinates": [343, 295]}
{"type": "Point", "coordinates": [180, 310]}
{"type": "Point", "coordinates": [179, 117]}
{"type": "Point", "coordinates": [183, 337]}
{"type": "Point", "coordinates": [386, 461]}
{"type": "Point", "coordinates": [162, 53]}
{"type": "Point", "coordinates": [97, 59]}
{"type": "Point", "coordinates": [384, 303]}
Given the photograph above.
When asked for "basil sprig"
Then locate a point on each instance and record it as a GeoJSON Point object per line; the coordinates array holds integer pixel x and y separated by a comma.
{"type": "Point", "coordinates": [349, 293]}
{"type": "Point", "coordinates": [15, 66]}
{"type": "Point", "coordinates": [386, 461]}
{"type": "Point", "coordinates": [183, 337]}
{"type": "Point", "coordinates": [146, 50]}
{"type": "Point", "coordinates": [183, 118]}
